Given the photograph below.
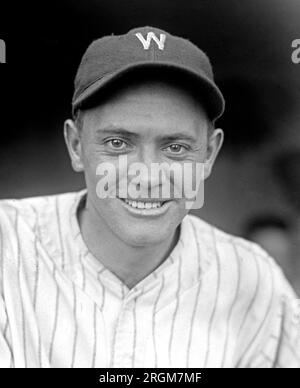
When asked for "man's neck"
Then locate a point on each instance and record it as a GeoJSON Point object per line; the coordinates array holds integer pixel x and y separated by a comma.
{"type": "Point", "coordinates": [130, 264]}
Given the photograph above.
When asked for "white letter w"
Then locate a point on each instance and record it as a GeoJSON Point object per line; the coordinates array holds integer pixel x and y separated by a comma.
{"type": "Point", "coordinates": [146, 42]}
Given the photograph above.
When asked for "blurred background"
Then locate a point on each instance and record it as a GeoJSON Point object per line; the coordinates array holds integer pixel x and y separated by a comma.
{"type": "Point", "coordinates": [254, 191]}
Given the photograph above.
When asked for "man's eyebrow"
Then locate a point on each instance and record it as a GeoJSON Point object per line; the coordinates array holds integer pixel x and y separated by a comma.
{"type": "Point", "coordinates": [116, 131]}
{"type": "Point", "coordinates": [177, 136]}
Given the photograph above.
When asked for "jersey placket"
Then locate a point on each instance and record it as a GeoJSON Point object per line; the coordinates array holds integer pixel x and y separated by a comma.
{"type": "Point", "coordinates": [127, 347]}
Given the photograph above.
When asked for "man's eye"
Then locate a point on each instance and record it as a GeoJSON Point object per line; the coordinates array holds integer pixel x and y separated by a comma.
{"type": "Point", "coordinates": [117, 144]}
{"type": "Point", "coordinates": [176, 148]}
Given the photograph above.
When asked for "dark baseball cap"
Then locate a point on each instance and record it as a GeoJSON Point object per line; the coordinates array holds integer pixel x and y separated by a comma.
{"type": "Point", "coordinates": [110, 58]}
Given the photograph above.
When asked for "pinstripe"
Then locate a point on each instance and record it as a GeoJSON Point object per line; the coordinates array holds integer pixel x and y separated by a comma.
{"type": "Point", "coordinates": [123, 291]}
{"type": "Point", "coordinates": [36, 282]}
{"type": "Point", "coordinates": [55, 316]}
{"type": "Point", "coordinates": [134, 332]}
{"type": "Point", "coordinates": [57, 287]}
{"type": "Point", "coordinates": [192, 324]}
{"type": "Point", "coordinates": [250, 245]}
{"type": "Point", "coordinates": [20, 288]}
{"type": "Point", "coordinates": [180, 241]}
{"type": "Point", "coordinates": [291, 349]}
{"type": "Point", "coordinates": [233, 303]}
{"type": "Point", "coordinates": [114, 343]}
{"type": "Point", "coordinates": [176, 308]}
{"type": "Point", "coordinates": [153, 318]}
{"type": "Point", "coordinates": [77, 235]}
{"type": "Point", "coordinates": [276, 360]}
{"type": "Point", "coordinates": [278, 366]}
{"type": "Point", "coordinates": [95, 336]}
{"type": "Point", "coordinates": [274, 337]}
{"type": "Point", "coordinates": [76, 326]}
{"type": "Point", "coordinates": [39, 349]}
{"type": "Point", "coordinates": [83, 274]}
{"type": "Point", "coordinates": [2, 275]}
{"type": "Point", "coordinates": [6, 326]}
{"type": "Point", "coordinates": [196, 299]}
{"type": "Point", "coordinates": [37, 262]}
{"type": "Point", "coordinates": [263, 320]}
{"type": "Point", "coordinates": [2, 261]}
{"type": "Point", "coordinates": [100, 272]}
{"type": "Point", "coordinates": [216, 300]}
{"type": "Point", "coordinates": [253, 299]}
{"type": "Point", "coordinates": [268, 358]}
{"type": "Point", "coordinates": [116, 327]}
{"type": "Point", "coordinates": [288, 344]}
{"type": "Point", "coordinates": [285, 333]}
{"type": "Point", "coordinates": [103, 299]}
{"type": "Point", "coordinates": [59, 233]}
{"type": "Point", "coordinates": [6, 338]}
{"type": "Point", "coordinates": [103, 290]}
{"type": "Point", "coordinates": [1, 254]}
{"type": "Point", "coordinates": [265, 358]}
{"type": "Point", "coordinates": [198, 248]}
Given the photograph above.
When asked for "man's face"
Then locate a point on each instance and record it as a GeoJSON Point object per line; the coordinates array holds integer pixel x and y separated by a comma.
{"type": "Point", "coordinates": [149, 123]}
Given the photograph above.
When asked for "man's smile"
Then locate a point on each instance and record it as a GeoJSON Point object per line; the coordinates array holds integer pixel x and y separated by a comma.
{"type": "Point", "coordinates": [147, 207]}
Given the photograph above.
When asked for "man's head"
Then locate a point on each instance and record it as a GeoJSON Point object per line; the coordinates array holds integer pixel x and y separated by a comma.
{"type": "Point", "coordinates": [151, 115]}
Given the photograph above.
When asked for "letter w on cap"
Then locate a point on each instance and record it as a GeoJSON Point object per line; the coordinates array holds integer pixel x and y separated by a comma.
{"type": "Point", "coordinates": [151, 36]}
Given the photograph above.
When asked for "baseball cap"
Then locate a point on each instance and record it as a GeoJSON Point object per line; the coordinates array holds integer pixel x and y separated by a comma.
{"type": "Point", "coordinates": [108, 59]}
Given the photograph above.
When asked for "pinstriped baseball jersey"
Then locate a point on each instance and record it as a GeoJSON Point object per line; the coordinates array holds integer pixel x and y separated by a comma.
{"type": "Point", "coordinates": [216, 301]}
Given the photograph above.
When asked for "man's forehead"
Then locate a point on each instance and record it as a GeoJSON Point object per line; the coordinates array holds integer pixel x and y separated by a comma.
{"type": "Point", "coordinates": [150, 105]}
{"type": "Point", "coordinates": [152, 93]}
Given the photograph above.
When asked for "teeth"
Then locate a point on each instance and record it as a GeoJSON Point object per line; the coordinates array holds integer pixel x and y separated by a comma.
{"type": "Point", "coordinates": [143, 205]}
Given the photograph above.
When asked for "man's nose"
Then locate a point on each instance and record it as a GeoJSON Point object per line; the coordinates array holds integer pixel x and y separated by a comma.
{"type": "Point", "coordinates": [148, 181]}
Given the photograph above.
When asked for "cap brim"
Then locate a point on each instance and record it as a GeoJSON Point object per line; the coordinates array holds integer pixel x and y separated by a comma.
{"type": "Point", "coordinates": [208, 91]}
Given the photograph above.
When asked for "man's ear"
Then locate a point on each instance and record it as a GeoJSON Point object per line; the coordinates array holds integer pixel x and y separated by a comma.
{"type": "Point", "coordinates": [73, 141]}
{"type": "Point", "coordinates": [214, 144]}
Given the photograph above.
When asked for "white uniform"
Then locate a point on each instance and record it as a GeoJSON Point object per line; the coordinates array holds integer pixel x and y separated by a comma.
{"type": "Point", "coordinates": [217, 301]}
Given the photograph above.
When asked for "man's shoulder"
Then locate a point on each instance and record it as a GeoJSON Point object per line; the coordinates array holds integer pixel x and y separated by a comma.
{"type": "Point", "coordinates": [27, 213]}
{"type": "Point", "coordinates": [242, 258]}
{"type": "Point", "coordinates": [219, 239]}
{"type": "Point", "coordinates": [30, 206]}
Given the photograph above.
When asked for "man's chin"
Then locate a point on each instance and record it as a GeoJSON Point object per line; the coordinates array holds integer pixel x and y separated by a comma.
{"type": "Point", "coordinates": [144, 238]}
{"type": "Point", "coordinates": [137, 227]}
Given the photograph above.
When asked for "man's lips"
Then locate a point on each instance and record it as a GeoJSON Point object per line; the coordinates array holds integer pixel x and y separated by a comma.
{"type": "Point", "coordinates": [146, 207]}
{"type": "Point", "coordinates": [146, 200]}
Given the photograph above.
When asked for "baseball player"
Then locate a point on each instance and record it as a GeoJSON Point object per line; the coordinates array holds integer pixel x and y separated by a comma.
{"type": "Point", "coordinates": [87, 281]}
